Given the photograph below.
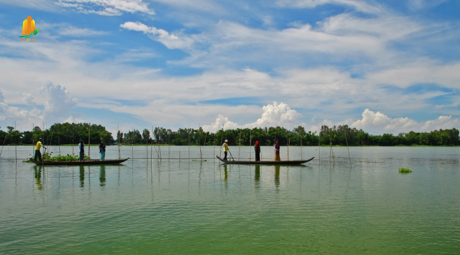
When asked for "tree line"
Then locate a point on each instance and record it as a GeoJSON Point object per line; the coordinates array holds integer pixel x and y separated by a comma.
{"type": "Point", "coordinates": [66, 133]}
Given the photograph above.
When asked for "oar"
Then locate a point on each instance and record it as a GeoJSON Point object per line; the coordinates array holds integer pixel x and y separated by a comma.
{"type": "Point", "coordinates": [230, 154]}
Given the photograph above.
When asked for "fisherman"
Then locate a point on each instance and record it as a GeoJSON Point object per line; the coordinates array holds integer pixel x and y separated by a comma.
{"type": "Point", "coordinates": [81, 148]}
{"type": "Point", "coordinates": [225, 148]}
{"type": "Point", "coordinates": [102, 150]}
{"type": "Point", "coordinates": [37, 150]}
{"type": "Point", "coordinates": [257, 150]}
{"type": "Point", "coordinates": [277, 151]}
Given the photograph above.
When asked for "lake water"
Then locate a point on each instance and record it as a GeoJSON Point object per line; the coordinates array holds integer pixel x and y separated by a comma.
{"type": "Point", "coordinates": [351, 205]}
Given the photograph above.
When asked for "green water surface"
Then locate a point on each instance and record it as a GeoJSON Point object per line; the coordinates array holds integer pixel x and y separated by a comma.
{"type": "Point", "coordinates": [171, 206]}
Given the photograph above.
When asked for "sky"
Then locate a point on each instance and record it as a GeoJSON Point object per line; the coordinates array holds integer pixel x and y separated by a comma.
{"type": "Point", "coordinates": [388, 66]}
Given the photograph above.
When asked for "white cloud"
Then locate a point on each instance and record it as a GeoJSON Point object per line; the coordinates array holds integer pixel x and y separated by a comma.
{"type": "Point", "coordinates": [107, 7]}
{"type": "Point", "coordinates": [273, 115]}
{"type": "Point", "coordinates": [67, 30]}
{"type": "Point", "coordinates": [33, 4]}
{"type": "Point", "coordinates": [220, 123]}
{"type": "Point", "coordinates": [205, 5]}
{"type": "Point", "coordinates": [373, 122]}
{"type": "Point", "coordinates": [384, 27]}
{"type": "Point", "coordinates": [419, 71]}
{"type": "Point", "coordinates": [171, 41]}
{"type": "Point", "coordinates": [379, 123]}
{"type": "Point", "coordinates": [58, 101]}
{"type": "Point", "coordinates": [443, 122]}
{"type": "Point", "coordinates": [417, 5]}
{"type": "Point", "coordinates": [361, 6]}
{"type": "Point", "coordinates": [28, 99]}
{"type": "Point", "coordinates": [57, 107]}
{"type": "Point", "coordinates": [277, 115]}
{"type": "Point", "coordinates": [317, 128]}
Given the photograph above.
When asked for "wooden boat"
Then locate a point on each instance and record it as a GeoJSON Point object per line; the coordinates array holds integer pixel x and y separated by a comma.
{"type": "Point", "coordinates": [283, 162]}
{"type": "Point", "coordinates": [86, 162]}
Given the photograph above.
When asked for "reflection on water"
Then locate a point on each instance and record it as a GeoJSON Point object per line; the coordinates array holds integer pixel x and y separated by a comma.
{"type": "Point", "coordinates": [277, 175]}
{"type": "Point", "coordinates": [102, 175]}
{"type": "Point", "coordinates": [38, 177]}
{"type": "Point", "coordinates": [257, 176]}
{"type": "Point", "coordinates": [82, 176]}
{"type": "Point", "coordinates": [225, 172]}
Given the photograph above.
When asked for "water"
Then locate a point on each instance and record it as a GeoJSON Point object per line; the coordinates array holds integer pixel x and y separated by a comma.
{"type": "Point", "coordinates": [186, 206]}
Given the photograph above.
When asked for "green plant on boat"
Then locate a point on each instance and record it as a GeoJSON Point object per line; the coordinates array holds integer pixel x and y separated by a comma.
{"type": "Point", "coordinates": [49, 157]}
{"type": "Point", "coordinates": [405, 170]}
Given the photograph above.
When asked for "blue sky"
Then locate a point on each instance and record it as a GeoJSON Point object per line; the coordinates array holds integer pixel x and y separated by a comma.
{"type": "Point", "coordinates": [383, 66]}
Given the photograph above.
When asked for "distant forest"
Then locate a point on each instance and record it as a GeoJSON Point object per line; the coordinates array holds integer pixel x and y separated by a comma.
{"type": "Point", "coordinates": [66, 133]}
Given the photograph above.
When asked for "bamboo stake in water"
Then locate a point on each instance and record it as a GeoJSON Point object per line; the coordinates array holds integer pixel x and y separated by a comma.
{"type": "Point", "coordinates": [301, 154]}
{"type": "Point", "coordinates": [349, 157]}
{"type": "Point", "coordinates": [59, 142]}
{"type": "Point", "coordinates": [239, 146]}
{"type": "Point", "coordinates": [158, 155]}
{"type": "Point", "coordinates": [221, 136]}
{"type": "Point", "coordinates": [16, 145]}
{"type": "Point", "coordinates": [331, 152]}
{"type": "Point", "coordinates": [330, 143]}
{"type": "Point", "coordinates": [205, 136]}
{"type": "Point", "coordinates": [33, 144]}
{"type": "Point", "coordinates": [89, 141]}
{"type": "Point", "coordinates": [159, 147]}
{"type": "Point", "coordinates": [319, 147]}
{"type": "Point", "coordinates": [199, 140]}
{"type": "Point", "coordinates": [289, 143]}
{"type": "Point", "coordinates": [151, 151]}
{"type": "Point", "coordinates": [132, 144]}
{"type": "Point", "coordinates": [250, 144]}
{"type": "Point", "coordinates": [118, 137]}
{"type": "Point", "coordinates": [188, 133]}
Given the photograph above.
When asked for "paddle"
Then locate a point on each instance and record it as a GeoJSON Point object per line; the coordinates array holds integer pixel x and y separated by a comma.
{"type": "Point", "coordinates": [231, 154]}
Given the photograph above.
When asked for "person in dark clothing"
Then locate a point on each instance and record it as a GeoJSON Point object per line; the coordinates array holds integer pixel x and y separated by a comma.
{"type": "Point", "coordinates": [102, 150]}
{"type": "Point", "coordinates": [81, 148]}
{"type": "Point", "coordinates": [257, 150]}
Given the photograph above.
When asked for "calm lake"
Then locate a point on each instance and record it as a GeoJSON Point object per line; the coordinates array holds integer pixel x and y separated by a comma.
{"type": "Point", "coordinates": [351, 205]}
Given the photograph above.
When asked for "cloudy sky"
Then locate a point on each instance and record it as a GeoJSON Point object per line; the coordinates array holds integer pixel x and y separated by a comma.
{"type": "Point", "coordinates": [384, 66]}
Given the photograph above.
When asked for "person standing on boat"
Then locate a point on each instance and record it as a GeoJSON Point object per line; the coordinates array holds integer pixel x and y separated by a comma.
{"type": "Point", "coordinates": [81, 148]}
{"type": "Point", "coordinates": [37, 150]}
{"type": "Point", "coordinates": [102, 150]}
{"type": "Point", "coordinates": [257, 150]}
{"type": "Point", "coordinates": [277, 151]}
{"type": "Point", "coordinates": [225, 148]}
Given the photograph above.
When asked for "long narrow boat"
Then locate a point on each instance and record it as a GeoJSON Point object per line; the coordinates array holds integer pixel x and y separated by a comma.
{"type": "Point", "coordinates": [86, 162]}
{"type": "Point", "coordinates": [283, 162]}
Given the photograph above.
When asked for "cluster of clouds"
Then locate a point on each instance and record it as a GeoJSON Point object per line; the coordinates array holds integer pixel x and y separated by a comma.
{"type": "Point", "coordinates": [280, 114]}
{"type": "Point", "coordinates": [57, 107]}
{"type": "Point", "coordinates": [377, 122]}
{"type": "Point", "coordinates": [276, 114]}
{"type": "Point", "coordinates": [300, 64]}
{"type": "Point", "coordinates": [107, 7]}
